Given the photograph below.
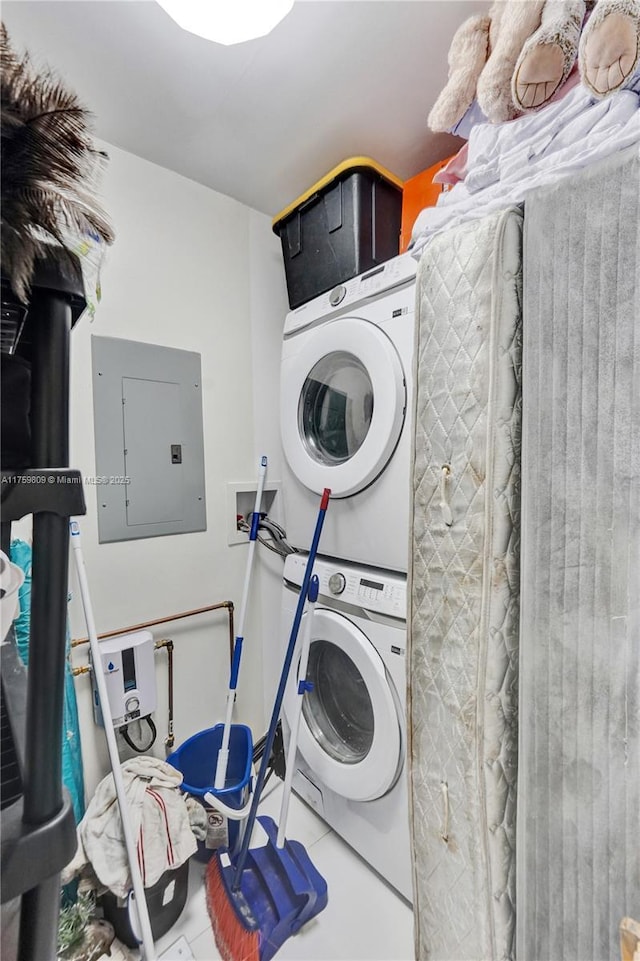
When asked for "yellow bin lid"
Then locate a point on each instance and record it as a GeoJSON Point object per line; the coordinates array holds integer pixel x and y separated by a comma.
{"type": "Point", "coordinates": [353, 163]}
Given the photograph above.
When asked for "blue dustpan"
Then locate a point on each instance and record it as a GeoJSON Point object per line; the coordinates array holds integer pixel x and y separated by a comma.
{"type": "Point", "coordinates": [283, 888]}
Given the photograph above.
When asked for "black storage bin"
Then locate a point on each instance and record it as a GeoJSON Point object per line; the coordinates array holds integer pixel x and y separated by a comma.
{"type": "Point", "coordinates": [165, 904]}
{"type": "Point", "coordinates": [345, 224]}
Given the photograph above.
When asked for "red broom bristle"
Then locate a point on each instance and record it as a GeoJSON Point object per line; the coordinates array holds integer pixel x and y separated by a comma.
{"type": "Point", "coordinates": [234, 941]}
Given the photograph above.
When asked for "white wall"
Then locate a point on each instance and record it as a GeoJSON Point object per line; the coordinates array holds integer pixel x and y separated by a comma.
{"type": "Point", "coordinates": [269, 306]}
{"type": "Point", "coordinates": [195, 270]}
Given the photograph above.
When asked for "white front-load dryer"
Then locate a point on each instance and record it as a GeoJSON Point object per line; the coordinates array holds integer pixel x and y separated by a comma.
{"type": "Point", "coordinates": [345, 416]}
{"type": "Point", "coordinates": [351, 760]}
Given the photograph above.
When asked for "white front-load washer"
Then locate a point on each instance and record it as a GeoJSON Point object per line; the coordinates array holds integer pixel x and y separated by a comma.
{"type": "Point", "coordinates": [345, 416]}
{"type": "Point", "coordinates": [351, 760]}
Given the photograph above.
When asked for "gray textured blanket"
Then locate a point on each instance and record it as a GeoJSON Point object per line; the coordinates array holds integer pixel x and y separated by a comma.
{"type": "Point", "coordinates": [578, 850]}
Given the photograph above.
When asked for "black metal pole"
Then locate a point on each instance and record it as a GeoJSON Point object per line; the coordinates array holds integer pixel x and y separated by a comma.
{"type": "Point", "coordinates": [51, 319]}
{"type": "Point", "coordinates": [39, 912]}
{"type": "Point", "coordinates": [5, 536]}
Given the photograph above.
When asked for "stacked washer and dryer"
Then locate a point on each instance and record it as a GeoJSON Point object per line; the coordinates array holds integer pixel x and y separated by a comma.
{"type": "Point", "coordinates": [346, 385]}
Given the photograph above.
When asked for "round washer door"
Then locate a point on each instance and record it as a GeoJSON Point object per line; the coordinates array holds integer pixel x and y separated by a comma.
{"type": "Point", "coordinates": [349, 728]}
{"type": "Point", "coordinates": [342, 406]}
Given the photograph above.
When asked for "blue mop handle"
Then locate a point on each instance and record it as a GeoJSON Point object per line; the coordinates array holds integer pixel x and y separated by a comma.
{"type": "Point", "coordinates": [303, 686]}
{"type": "Point", "coordinates": [223, 754]}
{"type": "Point", "coordinates": [275, 716]}
{"type": "Point", "coordinates": [253, 536]}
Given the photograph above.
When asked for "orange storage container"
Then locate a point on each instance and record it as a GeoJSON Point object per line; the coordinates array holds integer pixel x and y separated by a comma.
{"type": "Point", "coordinates": [419, 192]}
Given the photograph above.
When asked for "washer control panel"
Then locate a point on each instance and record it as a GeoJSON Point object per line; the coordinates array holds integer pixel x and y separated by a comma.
{"type": "Point", "coordinates": [337, 583]}
{"type": "Point", "coordinates": [381, 592]}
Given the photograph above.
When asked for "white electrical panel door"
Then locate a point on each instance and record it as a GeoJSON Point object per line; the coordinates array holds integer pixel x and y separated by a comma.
{"type": "Point", "coordinates": [152, 457]}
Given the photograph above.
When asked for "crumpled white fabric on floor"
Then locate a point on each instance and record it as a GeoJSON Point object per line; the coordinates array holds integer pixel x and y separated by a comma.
{"type": "Point", "coordinates": [160, 819]}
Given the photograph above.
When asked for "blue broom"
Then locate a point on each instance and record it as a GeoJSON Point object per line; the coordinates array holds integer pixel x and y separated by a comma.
{"type": "Point", "coordinates": [269, 892]}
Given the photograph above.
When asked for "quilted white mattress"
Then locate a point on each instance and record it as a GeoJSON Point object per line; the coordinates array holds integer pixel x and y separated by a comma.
{"type": "Point", "coordinates": [464, 583]}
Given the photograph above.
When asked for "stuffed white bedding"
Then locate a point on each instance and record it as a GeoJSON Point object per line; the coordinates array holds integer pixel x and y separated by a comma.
{"type": "Point", "coordinates": [507, 161]}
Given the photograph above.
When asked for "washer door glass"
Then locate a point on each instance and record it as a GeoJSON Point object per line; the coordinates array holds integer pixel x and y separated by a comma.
{"type": "Point", "coordinates": [338, 710]}
{"type": "Point", "coordinates": [350, 726]}
{"type": "Point", "coordinates": [335, 408]}
{"type": "Point", "coordinates": [342, 405]}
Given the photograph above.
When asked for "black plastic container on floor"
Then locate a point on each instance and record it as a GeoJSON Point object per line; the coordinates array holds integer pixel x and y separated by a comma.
{"type": "Point", "coordinates": [346, 224]}
{"type": "Point", "coordinates": [165, 901]}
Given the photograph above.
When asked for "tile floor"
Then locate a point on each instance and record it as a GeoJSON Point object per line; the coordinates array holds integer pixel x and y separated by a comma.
{"type": "Point", "coordinates": [365, 919]}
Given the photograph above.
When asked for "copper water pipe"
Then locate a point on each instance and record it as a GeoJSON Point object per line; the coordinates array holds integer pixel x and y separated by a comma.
{"type": "Point", "coordinates": [166, 620]}
{"type": "Point", "coordinates": [168, 644]}
{"type": "Point", "coordinates": [81, 670]}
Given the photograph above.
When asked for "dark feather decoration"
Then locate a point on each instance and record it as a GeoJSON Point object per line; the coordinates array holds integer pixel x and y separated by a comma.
{"type": "Point", "coordinates": [50, 168]}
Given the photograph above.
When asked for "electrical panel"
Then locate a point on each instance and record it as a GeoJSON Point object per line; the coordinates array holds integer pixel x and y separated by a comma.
{"type": "Point", "coordinates": [149, 440]}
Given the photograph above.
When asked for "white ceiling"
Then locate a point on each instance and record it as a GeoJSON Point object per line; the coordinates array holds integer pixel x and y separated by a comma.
{"type": "Point", "coordinates": [261, 121]}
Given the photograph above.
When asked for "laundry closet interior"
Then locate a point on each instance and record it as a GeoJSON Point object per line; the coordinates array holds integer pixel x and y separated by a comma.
{"type": "Point", "coordinates": [320, 480]}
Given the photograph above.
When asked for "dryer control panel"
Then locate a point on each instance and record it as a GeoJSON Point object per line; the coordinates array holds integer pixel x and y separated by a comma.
{"type": "Point", "coordinates": [374, 590]}
{"type": "Point", "coordinates": [385, 277]}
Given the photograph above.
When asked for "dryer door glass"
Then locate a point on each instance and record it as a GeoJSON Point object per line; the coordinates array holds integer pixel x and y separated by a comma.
{"type": "Point", "coordinates": [335, 408]}
{"type": "Point", "coordinates": [338, 710]}
{"type": "Point", "coordinates": [342, 405]}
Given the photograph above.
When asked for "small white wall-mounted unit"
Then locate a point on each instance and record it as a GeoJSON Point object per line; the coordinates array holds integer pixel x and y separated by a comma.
{"type": "Point", "coordinates": [128, 665]}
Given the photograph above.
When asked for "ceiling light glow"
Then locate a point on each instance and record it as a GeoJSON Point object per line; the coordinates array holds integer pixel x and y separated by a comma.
{"type": "Point", "coordinates": [227, 21]}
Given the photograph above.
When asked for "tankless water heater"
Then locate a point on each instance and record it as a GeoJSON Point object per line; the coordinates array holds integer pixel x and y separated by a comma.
{"type": "Point", "coordinates": [127, 662]}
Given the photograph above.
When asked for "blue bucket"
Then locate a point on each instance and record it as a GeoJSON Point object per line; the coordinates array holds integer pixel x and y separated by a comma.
{"type": "Point", "coordinates": [196, 760]}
